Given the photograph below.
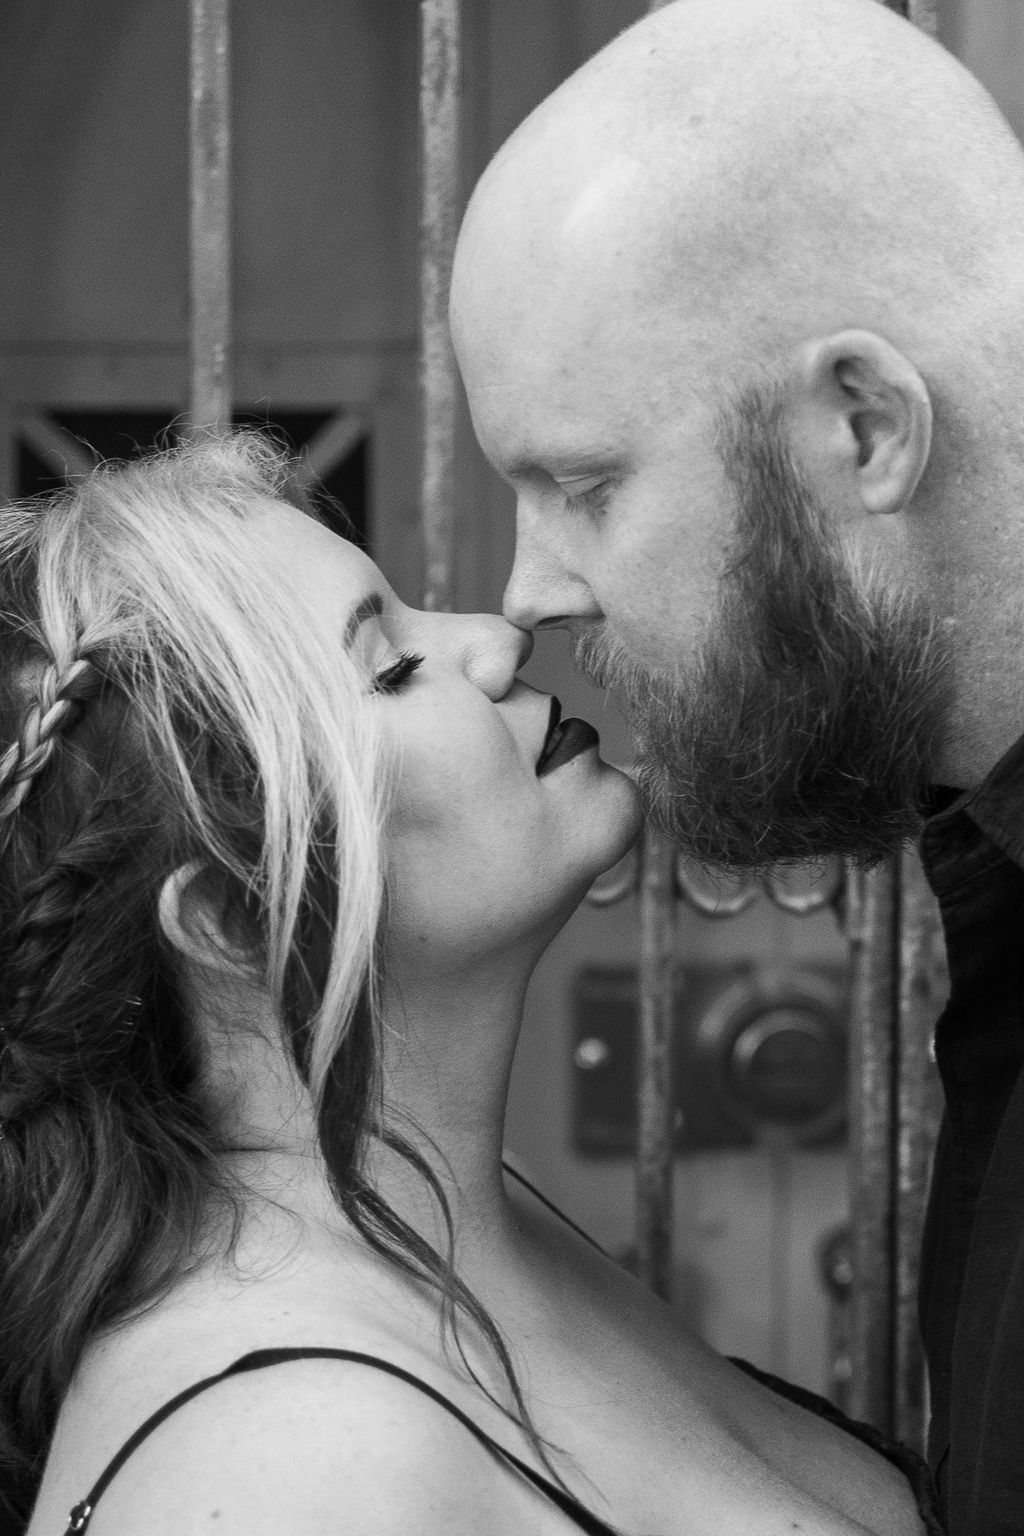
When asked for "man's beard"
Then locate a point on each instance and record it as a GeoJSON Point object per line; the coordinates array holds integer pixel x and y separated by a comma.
{"type": "Point", "coordinates": [807, 723]}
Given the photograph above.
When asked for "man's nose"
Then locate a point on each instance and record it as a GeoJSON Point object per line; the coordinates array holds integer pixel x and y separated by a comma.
{"type": "Point", "coordinates": [543, 592]}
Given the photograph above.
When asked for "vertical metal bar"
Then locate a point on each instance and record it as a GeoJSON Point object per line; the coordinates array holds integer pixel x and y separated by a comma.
{"type": "Point", "coordinates": [8, 451]}
{"type": "Point", "coordinates": [656, 1107]}
{"type": "Point", "coordinates": [441, 61]}
{"type": "Point", "coordinates": [917, 1111]}
{"type": "Point", "coordinates": [210, 235]}
{"type": "Point", "coordinates": [923, 13]}
{"type": "Point", "coordinates": [655, 1100]}
{"type": "Point", "coordinates": [893, 931]}
{"type": "Point", "coordinates": [871, 930]}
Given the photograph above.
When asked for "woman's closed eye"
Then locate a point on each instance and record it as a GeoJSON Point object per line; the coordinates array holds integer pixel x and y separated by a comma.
{"type": "Point", "coordinates": [398, 672]}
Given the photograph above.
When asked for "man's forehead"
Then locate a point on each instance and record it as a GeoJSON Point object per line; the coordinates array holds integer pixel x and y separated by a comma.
{"type": "Point", "coordinates": [556, 320]}
{"type": "Point", "coordinates": [571, 383]}
{"type": "Point", "coordinates": [523, 433]}
{"type": "Point", "coordinates": [556, 405]}
{"type": "Point", "coordinates": [536, 239]}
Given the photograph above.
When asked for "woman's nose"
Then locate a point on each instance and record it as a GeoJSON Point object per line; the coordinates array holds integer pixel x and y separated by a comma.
{"type": "Point", "coordinates": [491, 651]}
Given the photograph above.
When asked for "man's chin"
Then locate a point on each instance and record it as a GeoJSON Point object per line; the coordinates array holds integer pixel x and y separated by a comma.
{"type": "Point", "coordinates": [737, 834]}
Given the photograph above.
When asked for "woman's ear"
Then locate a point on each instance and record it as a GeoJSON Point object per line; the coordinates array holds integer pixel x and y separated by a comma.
{"type": "Point", "coordinates": [861, 421]}
{"type": "Point", "coordinates": [193, 921]}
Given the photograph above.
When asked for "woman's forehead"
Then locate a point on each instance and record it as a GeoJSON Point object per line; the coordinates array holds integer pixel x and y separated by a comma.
{"type": "Point", "coordinates": [307, 550]}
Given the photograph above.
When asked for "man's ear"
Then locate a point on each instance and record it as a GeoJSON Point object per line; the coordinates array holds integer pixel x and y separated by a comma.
{"type": "Point", "coordinates": [861, 420]}
{"type": "Point", "coordinates": [192, 921]}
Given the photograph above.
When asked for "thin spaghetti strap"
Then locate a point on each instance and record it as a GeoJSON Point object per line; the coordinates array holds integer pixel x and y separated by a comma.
{"type": "Point", "coordinates": [263, 1358]}
{"type": "Point", "coordinates": [82, 1512]}
{"type": "Point", "coordinates": [553, 1208]}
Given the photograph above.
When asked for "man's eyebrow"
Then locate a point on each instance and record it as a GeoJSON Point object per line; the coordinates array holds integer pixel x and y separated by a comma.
{"type": "Point", "coordinates": [369, 607]}
{"type": "Point", "coordinates": [559, 465]}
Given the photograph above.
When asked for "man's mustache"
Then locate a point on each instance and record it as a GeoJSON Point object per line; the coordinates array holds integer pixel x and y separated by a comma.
{"type": "Point", "coordinates": [604, 661]}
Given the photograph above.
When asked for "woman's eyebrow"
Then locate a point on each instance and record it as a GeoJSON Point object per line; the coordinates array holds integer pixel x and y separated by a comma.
{"type": "Point", "coordinates": [369, 607]}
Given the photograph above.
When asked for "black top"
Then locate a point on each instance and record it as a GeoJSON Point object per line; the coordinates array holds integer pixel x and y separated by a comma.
{"type": "Point", "coordinates": [972, 1270]}
{"type": "Point", "coordinates": [260, 1359]}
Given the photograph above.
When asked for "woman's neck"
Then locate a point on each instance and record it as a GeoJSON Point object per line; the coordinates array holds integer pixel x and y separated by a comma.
{"type": "Point", "coordinates": [449, 1044]}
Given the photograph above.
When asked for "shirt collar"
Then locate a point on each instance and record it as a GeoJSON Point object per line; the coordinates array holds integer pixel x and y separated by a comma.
{"type": "Point", "coordinates": [996, 806]}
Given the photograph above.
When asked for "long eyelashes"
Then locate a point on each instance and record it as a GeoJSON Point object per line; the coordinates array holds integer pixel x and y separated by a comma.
{"type": "Point", "coordinates": [399, 672]}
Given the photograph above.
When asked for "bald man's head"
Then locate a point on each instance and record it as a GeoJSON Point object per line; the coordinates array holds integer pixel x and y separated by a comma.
{"type": "Point", "coordinates": [756, 167]}
{"type": "Point", "coordinates": [740, 314]}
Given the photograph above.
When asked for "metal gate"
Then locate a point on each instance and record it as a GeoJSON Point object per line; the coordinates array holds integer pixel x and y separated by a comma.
{"type": "Point", "coordinates": [887, 915]}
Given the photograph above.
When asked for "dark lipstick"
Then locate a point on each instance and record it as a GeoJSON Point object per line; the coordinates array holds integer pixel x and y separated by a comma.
{"type": "Point", "coordinates": [565, 740]}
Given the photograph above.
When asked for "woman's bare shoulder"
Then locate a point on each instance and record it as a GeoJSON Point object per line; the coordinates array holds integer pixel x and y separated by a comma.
{"type": "Point", "coordinates": [309, 1447]}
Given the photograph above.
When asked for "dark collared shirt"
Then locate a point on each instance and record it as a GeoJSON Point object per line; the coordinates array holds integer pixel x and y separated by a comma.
{"type": "Point", "coordinates": [972, 1276]}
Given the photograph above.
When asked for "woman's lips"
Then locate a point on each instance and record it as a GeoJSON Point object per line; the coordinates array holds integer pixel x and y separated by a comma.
{"type": "Point", "coordinates": [554, 718]}
{"type": "Point", "coordinates": [565, 740]}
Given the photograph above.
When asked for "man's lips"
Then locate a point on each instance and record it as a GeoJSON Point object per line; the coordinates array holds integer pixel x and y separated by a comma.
{"type": "Point", "coordinates": [565, 740]}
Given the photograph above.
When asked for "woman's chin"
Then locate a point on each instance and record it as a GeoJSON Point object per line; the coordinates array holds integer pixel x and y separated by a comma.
{"type": "Point", "coordinates": [621, 824]}
{"type": "Point", "coordinates": [620, 836]}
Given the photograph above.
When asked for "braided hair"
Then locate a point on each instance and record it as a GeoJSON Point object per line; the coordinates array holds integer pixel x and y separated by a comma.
{"type": "Point", "coordinates": [159, 704]}
{"type": "Point", "coordinates": [25, 759]}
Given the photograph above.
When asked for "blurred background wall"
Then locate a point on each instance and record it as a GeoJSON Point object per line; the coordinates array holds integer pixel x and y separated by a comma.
{"type": "Point", "coordinates": [93, 318]}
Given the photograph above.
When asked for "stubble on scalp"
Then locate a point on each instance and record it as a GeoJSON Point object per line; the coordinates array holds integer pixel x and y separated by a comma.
{"type": "Point", "coordinates": [808, 721]}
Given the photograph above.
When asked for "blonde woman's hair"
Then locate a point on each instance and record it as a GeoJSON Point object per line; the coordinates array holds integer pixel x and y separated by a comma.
{"type": "Point", "coordinates": [163, 699]}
